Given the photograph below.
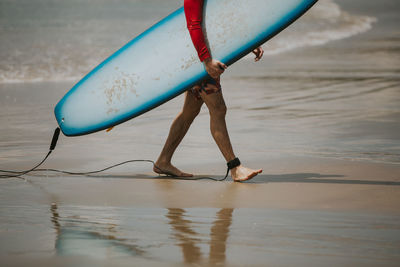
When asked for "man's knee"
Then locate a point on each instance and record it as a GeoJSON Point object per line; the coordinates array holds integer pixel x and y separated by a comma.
{"type": "Point", "coordinates": [218, 110]}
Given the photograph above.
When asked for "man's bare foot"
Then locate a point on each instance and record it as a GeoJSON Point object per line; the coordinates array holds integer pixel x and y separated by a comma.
{"type": "Point", "coordinates": [169, 169]}
{"type": "Point", "coordinates": [240, 173]}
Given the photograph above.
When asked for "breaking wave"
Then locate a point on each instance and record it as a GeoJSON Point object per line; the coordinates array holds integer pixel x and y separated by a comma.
{"type": "Point", "coordinates": [325, 22]}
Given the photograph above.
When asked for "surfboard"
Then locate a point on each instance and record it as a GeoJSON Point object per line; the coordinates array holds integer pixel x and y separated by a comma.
{"type": "Point", "coordinates": [162, 63]}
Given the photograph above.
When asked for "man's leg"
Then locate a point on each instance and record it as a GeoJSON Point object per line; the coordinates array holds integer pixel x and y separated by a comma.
{"type": "Point", "coordinates": [217, 108]}
{"type": "Point", "coordinates": [179, 128]}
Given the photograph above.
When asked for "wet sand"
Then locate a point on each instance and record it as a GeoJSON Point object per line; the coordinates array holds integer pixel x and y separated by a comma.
{"type": "Point", "coordinates": [310, 212]}
{"type": "Point", "coordinates": [287, 183]}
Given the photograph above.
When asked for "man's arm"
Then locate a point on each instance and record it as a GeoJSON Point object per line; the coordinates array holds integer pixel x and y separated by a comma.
{"type": "Point", "coordinates": [194, 18]}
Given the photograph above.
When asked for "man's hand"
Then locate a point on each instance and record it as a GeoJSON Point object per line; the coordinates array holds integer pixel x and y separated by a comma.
{"type": "Point", "coordinates": [259, 52]}
{"type": "Point", "coordinates": [214, 67]}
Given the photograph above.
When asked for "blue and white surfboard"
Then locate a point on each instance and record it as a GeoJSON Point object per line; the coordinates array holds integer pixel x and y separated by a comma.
{"type": "Point", "coordinates": [162, 62]}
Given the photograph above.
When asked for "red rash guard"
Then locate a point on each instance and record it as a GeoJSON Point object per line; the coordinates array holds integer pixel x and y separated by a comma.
{"type": "Point", "coordinates": [194, 16]}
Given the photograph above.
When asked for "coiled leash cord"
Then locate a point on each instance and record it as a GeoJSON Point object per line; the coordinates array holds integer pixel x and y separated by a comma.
{"type": "Point", "coordinates": [17, 174]}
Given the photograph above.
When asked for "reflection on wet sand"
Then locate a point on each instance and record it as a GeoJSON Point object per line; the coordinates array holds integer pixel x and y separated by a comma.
{"type": "Point", "coordinates": [184, 235]}
{"type": "Point", "coordinates": [188, 242]}
{"type": "Point", "coordinates": [77, 235]}
{"type": "Point", "coordinates": [219, 235]}
{"type": "Point", "coordinates": [84, 238]}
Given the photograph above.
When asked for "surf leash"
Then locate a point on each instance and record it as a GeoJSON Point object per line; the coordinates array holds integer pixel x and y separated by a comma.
{"type": "Point", "coordinates": [18, 174]}
{"type": "Point", "coordinates": [6, 174]}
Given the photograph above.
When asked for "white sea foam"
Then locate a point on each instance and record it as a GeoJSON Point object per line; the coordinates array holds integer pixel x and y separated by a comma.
{"type": "Point", "coordinates": [325, 22]}
{"type": "Point", "coordinates": [65, 47]}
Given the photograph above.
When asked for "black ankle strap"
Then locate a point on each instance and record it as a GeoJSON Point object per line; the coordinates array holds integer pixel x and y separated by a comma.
{"type": "Point", "coordinates": [233, 163]}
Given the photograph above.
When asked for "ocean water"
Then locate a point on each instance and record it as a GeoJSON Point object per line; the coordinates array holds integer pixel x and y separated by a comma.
{"type": "Point", "coordinates": [328, 86]}
{"type": "Point", "coordinates": [55, 40]}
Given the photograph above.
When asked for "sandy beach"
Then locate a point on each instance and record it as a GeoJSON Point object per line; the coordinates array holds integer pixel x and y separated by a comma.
{"type": "Point", "coordinates": [321, 120]}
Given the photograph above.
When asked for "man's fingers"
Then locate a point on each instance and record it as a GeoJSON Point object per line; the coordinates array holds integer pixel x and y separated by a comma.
{"type": "Point", "coordinates": [256, 53]}
{"type": "Point", "coordinates": [261, 53]}
{"type": "Point", "coordinates": [216, 68]}
{"type": "Point", "coordinates": [222, 66]}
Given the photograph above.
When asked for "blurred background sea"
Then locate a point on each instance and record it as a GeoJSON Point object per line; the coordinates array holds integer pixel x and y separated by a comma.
{"type": "Point", "coordinates": [54, 40]}
{"type": "Point", "coordinates": [328, 86]}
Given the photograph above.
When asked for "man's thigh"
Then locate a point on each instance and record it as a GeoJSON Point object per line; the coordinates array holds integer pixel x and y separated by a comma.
{"type": "Point", "coordinates": [214, 100]}
{"type": "Point", "coordinates": [192, 101]}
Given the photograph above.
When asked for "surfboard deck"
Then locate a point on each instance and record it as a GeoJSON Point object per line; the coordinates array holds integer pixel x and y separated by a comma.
{"type": "Point", "coordinates": [162, 62]}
